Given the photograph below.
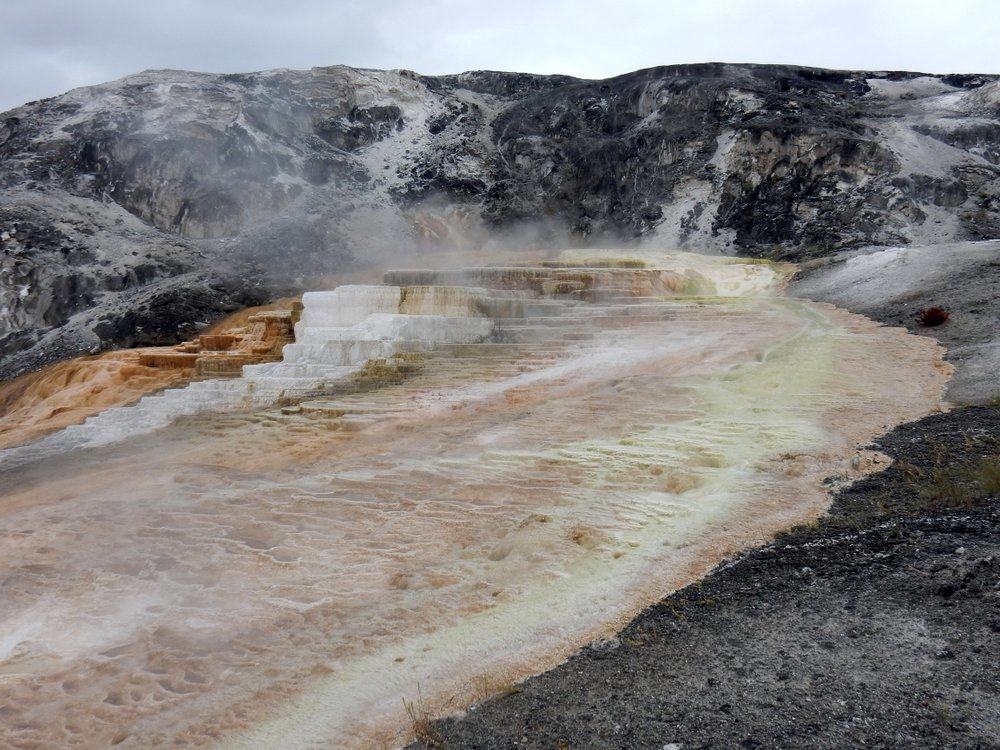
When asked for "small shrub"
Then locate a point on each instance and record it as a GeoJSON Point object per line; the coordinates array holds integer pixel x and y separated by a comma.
{"type": "Point", "coordinates": [945, 488]}
{"type": "Point", "coordinates": [421, 723]}
{"type": "Point", "coordinates": [932, 316]}
{"type": "Point", "coordinates": [987, 476]}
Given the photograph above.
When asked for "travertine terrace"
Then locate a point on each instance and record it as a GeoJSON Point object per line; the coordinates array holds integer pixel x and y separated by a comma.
{"type": "Point", "coordinates": [448, 482]}
{"type": "Point", "coordinates": [68, 392]}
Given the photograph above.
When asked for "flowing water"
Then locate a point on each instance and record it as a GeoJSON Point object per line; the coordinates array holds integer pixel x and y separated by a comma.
{"type": "Point", "coordinates": [526, 458]}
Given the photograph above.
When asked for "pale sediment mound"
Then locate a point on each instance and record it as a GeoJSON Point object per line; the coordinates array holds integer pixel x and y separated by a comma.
{"type": "Point", "coordinates": [501, 465]}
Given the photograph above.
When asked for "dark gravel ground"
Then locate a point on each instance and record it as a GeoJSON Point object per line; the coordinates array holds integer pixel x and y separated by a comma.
{"type": "Point", "coordinates": [876, 627]}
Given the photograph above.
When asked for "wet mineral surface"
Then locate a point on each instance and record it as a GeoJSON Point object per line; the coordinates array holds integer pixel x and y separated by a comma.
{"type": "Point", "coordinates": [478, 474]}
{"type": "Point", "coordinates": [878, 626]}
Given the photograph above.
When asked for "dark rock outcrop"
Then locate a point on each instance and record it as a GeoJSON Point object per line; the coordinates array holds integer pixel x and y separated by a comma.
{"type": "Point", "coordinates": [176, 196]}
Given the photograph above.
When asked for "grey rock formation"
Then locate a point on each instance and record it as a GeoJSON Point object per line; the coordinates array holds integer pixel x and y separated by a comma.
{"type": "Point", "coordinates": [133, 211]}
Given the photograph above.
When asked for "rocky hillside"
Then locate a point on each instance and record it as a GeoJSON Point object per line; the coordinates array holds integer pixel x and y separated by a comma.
{"type": "Point", "coordinates": [134, 211]}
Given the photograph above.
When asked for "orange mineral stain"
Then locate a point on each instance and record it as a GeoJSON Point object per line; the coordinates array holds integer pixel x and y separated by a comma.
{"type": "Point", "coordinates": [438, 521]}
{"type": "Point", "coordinates": [66, 393]}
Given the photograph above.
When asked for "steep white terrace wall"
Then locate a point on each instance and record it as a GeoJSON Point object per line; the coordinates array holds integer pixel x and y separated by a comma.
{"type": "Point", "coordinates": [339, 331]}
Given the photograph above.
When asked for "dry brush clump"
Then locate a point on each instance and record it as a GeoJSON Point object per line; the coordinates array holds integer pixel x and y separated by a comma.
{"type": "Point", "coordinates": [422, 723]}
{"type": "Point", "coordinates": [932, 316]}
{"type": "Point", "coordinates": [954, 485]}
{"type": "Point", "coordinates": [987, 475]}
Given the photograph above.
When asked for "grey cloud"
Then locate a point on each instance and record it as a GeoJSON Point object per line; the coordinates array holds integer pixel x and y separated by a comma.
{"type": "Point", "coordinates": [53, 45]}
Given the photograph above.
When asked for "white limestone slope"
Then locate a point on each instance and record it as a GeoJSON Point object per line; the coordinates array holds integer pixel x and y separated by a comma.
{"type": "Point", "coordinates": [893, 285]}
{"type": "Point", "coordinates": [342, 329]}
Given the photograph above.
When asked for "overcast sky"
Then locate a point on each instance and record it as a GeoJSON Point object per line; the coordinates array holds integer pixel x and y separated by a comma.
{"type": "Point", "coordinates": [49, 46]}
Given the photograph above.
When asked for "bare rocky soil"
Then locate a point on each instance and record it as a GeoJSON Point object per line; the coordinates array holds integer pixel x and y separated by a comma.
{"type": "Point", "coordinates": [877, 627]}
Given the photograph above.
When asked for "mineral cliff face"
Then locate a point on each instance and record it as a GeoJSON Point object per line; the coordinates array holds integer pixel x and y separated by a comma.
{"type": "Point", "coordinates": [134, 211]}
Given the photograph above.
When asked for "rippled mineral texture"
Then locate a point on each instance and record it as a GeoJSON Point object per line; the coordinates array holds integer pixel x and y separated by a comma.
{"type": "Point", "coordinates": [448, 481]}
